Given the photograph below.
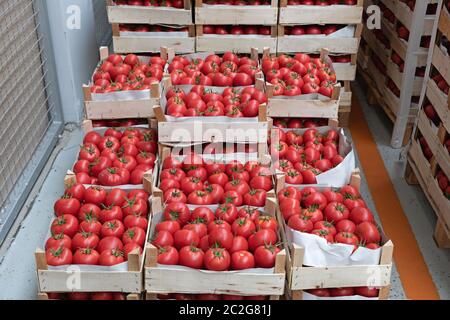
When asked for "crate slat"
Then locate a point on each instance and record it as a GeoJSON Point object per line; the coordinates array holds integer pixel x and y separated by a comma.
{"type": "Point", "coordinates": [126, 44]}
{"type": "Point", "coordinates": [236, 15]}
{"type": "Point", "coordinates": [221, 44]}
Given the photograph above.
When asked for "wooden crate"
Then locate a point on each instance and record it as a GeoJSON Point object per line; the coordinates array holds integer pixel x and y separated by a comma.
{"type": "Point", "coordinates": [346, 71]}
{"type": "Point", "coordinates": [72, 279]}
{"type": "Point", "coordinates": [122, 109]}
{"type": "Point", "coordinates": [212, 129]}
{"type": "Point", "coordinates": [152, 43]}
{"type": "Point", "coordinates": [149, 15]}
{"type": "Point", "coordinates": [315, 44]}
{"type": "Point", "coordinates": [421, 170]}
{"type": "Point", "coordinates": [165, 281]}
{"type": "Point", "coordinates": [130, 297]}
{"type": "Point", "coordinates": [332, 14]}
{"type": "Point", "coordinates": [301, 278]}
{"type": "Point", "coordinates": [394, 73]}
{"type": "Point", "coordinates": [148, 179]}
{"type": "Point", "coordinates": [238, 44]}
{"type": "Point", "coordinates": [236, 15]}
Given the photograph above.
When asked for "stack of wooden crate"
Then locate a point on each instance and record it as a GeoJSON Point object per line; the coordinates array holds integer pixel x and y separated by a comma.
{"type": "Point", "coordinates": [428, 157]}
{"type": "Point", "coordinates": [159, 17]}
{"type": "Point", "coordinates": [343, 47]}
{"type": "Point", "coordinates": [393, 60]}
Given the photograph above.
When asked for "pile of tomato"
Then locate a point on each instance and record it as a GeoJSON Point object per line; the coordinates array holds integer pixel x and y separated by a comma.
{"type": "Point", "coordinates": [227, 70]}
{"type": "Point", "coordinates": [208, 297]}
{"type": "Point", "coordinates": [199, 182]}
{"type": "Point", "coordinates": [87, 296]}
{"type": "Point", "coordinates": [97, 227]}
{"type": "Point", "coordinates": [304, 156]}
{"type": "Point", "coordinates": [150, 28]}
{"type": "Point", "coordinates": [315, 29]}
{"type": "Point", "coordinates": [339, 216]}
{"type": "Point", "coordinates": [179, 4]}
{"type": "Point", "coordinates": [232, 102]}
{"type": "Point", "coordinates": [118, 157]}
{"type": "Point", "coordinates": [118, 73]}
{"type": "Point", "coordinates": [119, 123]}
{"type": "Point", "coordinates": [237, 30]}
{"type": "Point", "coordinates": [225, 239]}
{"type": "Point", "coordinates": [346, 292]}
{"type": "Point", "coordinates": [301, 74]}
{"type": "Point", "coordinates": [321, 2]}
{"type": "Point", "coordinates": [299, 123]}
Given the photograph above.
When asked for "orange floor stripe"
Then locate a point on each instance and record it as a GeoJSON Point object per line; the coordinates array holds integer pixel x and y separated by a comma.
{"type": "Point", "coordinates": [410, 263]}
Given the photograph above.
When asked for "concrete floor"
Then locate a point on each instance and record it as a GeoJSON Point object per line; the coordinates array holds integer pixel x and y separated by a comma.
{"type": "Point", "coordinates": [17, 266]}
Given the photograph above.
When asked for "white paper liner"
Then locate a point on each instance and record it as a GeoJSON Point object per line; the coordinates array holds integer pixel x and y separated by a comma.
{"type": "Point", "coordinates": [320, 253]}
{"type": "Point", "coordinates": [158, 218]}
{"type": "Point", "coordinates": [308, 296]}
{"type": "Point", "coordinates": [339, 176]}
{"type": "Point", "coordinates": [346, 32]}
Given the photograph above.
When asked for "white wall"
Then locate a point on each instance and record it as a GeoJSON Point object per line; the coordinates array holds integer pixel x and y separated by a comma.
{"type": "Point", "coordinates": [76, 52]}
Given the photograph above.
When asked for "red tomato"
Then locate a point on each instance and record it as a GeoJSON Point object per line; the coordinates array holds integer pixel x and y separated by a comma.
{"type": "Point", "coordinates": [184, 238]}
{"type": "Point", "coordinates": [300, 223]}
{"type": "Point", "coordinates": [168, 255]}
{"type": "Point", "coordinates": [134, 235]}
{"type": "Point", "coordinates": [111, 257]}
{"type": "Point", "coordinates": [58, 256]}
{"type": "Point", "coordinates": [265, 256]}
{"type": "Point", "coordinates": [65, 224]}
{"type": "Point", "coordinates": [67, 206]}
{"type": "Point", "coordinates": [227, 212]}
{"type": "Point", "coordinates": [170, 226]}
{"type": "Point", "coordinates": [58, 241]}
{"type": "Point", "coordinates": [109, 243]}
{"type": "Point", "coordinates": [217, 259]}
{"type": "Point", "coordinates": [359, 215]}
{"type": "Point", "coordinates": [203, 214]}
{"type": "Point", "coordinates": [368, 233]}
{"type": "Point", "coordinates": [241, 260]}
{"type": "Point", "coordinates": [163, 238]}
{"type": "Point", "coordinates": [221, 238]}
{"type": "Point", "coordinates": [86, 256]}
{"type": "Point", "coordinates": [261, 238]}
{"type": "Point", "coordinates": [191, 257]}
{"type": "Point", "coordinates": [345, 226]}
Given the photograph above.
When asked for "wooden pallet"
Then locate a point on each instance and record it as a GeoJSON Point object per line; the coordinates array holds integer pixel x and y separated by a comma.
{"type": "Point", "coordinates": [301, 278]}
{"type": "Point", "coordinates": [166, 281]}
{"type": "Point", "coordinates": [238, 44]}
{"type": "Point", "coordinates": [149, 15]}
{"type": "Point", "coordinates": [122, 109]}
{"type": "Point", "coordinates": [332, 14]}
{"type": "Point", "coordinates": [152, 43]}
{"type": "Point", "coordinates": [236, 15]}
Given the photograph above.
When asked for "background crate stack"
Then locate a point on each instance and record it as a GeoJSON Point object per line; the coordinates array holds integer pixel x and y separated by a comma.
{"type": "Point", "coordinates": [428, 157]}
{"type": "Point", "coordinates": [235, 15]}
{"type": "Point", "coordinates": [157, 18]}
{"type": "Point", "coordinates": [344, 47]}
{"type": "Point", "coordinates": [394, 67]}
